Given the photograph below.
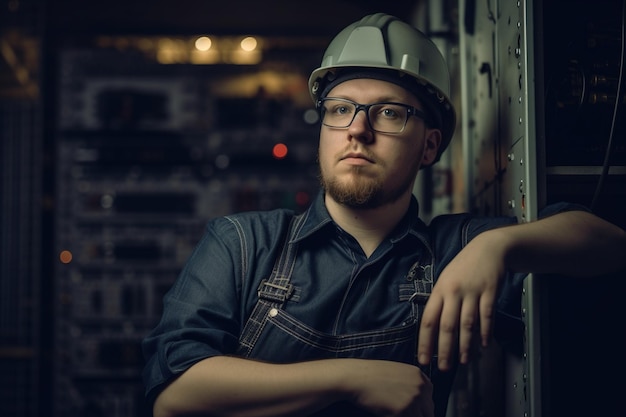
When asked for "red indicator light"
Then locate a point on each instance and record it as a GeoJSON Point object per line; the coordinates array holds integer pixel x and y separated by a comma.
{"type": "Point", "coordinates": [279, 151]}
{"type": "Point", "coordinates": [65, 257]}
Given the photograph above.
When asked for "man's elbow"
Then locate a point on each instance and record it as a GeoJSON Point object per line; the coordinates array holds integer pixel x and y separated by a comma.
{"type": "Point", "coordinates": [164, 405]}
{"type": "Point", "coordinates": [159, 409]}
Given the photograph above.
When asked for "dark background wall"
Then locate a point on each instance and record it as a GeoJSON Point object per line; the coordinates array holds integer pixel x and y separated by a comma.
{"type": "Point", "coordinates": [112, 162]}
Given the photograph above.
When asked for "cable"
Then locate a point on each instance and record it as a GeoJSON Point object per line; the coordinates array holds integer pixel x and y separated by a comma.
{"type": "Point", "coordinates": [618, 99]}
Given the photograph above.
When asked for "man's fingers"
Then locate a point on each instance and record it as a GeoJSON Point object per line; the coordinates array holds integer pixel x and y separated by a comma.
{"type": "Point", "coordinates": [448, 336]}
{"type": "Point", "coordinates": [429, 329]}
{"type": "Point", "coordinates": [469, 315]}
{"type": "Point", "coordinates": [446, 324]}
{"type": "Point", "coordinates": [486, 317]}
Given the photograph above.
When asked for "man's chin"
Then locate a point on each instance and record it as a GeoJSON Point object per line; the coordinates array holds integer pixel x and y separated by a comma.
{"type": "Point", "coordinates": [354, 196]}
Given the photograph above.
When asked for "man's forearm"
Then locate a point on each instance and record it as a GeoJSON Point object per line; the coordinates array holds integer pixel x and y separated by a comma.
{"type": "Point", "coordinates": [574, 243]}
{"type": "Point", "coordinates": [227, 386]}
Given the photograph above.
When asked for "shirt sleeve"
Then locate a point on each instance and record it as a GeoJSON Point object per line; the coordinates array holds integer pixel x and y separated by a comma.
{"type": "Point", "coordinates": [508, 322]}
{"type": "Point", "coordinates": [200, 311]}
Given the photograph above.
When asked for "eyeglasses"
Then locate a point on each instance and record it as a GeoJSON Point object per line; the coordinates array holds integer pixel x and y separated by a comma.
{"type": "Point", "coordinates": [382, 117]}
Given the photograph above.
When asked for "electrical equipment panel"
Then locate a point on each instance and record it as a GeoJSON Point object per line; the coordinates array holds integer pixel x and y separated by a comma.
{"type": "Point", "coordinates": [583, 130]}
{"type": "Point", "coordinates": [147, 154]}
{"type": "Point", "coordinates": [498, 107]}
{"type": "Point", "coordinates": [20, 286]}
{"type": "Point", "coordinates": [582, 56]}
{"type": "Point", "coordinates": [543, 122]}
{"type": "Point", "coordinates": [585, 99]}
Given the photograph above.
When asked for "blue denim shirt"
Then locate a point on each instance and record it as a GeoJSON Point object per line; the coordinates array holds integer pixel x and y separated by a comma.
{"type": "Point", "coordinates": [339, 294]}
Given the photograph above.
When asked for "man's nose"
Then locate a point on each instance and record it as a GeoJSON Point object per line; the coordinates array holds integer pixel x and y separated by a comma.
{"type": "Point", "coordinates": [360, 120]}
{"type": "Point", "coordinates": [360, 127]}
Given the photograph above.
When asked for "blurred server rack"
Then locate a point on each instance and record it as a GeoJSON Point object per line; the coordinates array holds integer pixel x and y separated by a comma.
{"type": "Point", "coordinates": [21, 208]}
{"type": "Point", "coordinates": [146, 155]}
{"type": "Point", "coordinates": [20, 265]}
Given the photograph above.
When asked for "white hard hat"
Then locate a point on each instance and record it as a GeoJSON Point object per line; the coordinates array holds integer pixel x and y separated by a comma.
{"type": "Point", "coordinates": [387, 48]}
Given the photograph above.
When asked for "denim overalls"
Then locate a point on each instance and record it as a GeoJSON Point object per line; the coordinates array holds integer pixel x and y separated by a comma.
{"type": "Point", "coordinates": [243, 264]}
{"type": "Point", "coordinates": [268, 321]}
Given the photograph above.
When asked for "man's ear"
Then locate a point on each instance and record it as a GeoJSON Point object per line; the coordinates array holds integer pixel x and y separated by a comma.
{"type": "Point", "coordinates": [432, 140]}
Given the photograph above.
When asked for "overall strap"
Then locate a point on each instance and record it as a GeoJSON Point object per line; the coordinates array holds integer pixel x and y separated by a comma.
{"type": "Point", "coordinates": [273, 291]}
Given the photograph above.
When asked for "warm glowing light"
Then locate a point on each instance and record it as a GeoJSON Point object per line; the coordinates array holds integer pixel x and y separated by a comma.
{"type": "Point", "coordinates": [203, 43]}
{"type": "Point", "coordinates": [212, 56]}
{"type": "Point", "coordinates": [171, 51]}
{"type": "Point", "coordinates": [65, 256]}
{"type": "Point", "coordinates": [249, 44]}
{"type": "Point", "coordinates": [242, 57]}
{"type": "Point", "coordinates": [279, 151]}
{"type": "Point", "coordinates": [166, 43]}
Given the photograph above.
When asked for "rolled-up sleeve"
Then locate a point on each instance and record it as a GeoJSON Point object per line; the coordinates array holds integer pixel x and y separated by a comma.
{"type": "Point", "coordinates": [200, 315]}
{"type": "Point", "coordinates": [508, 324]}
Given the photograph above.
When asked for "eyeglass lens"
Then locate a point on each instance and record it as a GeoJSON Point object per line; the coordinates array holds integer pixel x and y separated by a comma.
{"type": "Point", "coordinates": [383, 117]}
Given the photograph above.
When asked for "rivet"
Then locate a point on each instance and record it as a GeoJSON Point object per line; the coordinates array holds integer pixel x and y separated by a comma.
{"type": "Point", "coordinates": [273, 312]}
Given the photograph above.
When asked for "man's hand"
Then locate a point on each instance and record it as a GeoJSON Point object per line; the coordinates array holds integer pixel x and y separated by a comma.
{"type": "Point", "coordinates": [463, 298]}
{"type": "Point", "coordinates": [387, 388]}
{"type": "Point", "coordinates": [574, 243]}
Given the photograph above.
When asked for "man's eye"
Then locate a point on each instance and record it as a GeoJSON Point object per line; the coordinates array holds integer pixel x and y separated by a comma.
{"type": "Point", "coordinates": [388, 113]}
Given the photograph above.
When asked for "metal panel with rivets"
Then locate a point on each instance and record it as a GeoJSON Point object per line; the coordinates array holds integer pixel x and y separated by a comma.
{"type": "Point", "coordinates": [499, 143]}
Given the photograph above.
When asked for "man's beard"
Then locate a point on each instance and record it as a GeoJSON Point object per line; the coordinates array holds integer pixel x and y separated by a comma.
{"type": "Point", "coordinates": [363, 192]}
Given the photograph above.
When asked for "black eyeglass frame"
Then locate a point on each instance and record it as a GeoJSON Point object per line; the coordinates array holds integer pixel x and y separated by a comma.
{"type": "Point", "coordinates": [411, 111]}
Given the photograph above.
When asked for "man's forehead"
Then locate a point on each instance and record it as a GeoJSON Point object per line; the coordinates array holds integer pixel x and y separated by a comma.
{"type": "Point", "coordinates": [371, 90]}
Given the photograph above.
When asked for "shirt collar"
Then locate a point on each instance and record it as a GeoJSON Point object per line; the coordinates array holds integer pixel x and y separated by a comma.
{"type": "Point", "coordinates": [317, 219]}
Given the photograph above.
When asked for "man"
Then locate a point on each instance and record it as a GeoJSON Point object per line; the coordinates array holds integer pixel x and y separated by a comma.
{"type": "Point", "coordinates": [318, 314]}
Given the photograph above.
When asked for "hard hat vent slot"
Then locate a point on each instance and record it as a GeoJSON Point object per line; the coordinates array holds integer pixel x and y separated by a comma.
{"type": "Point", "coordinates": [410, 63]}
